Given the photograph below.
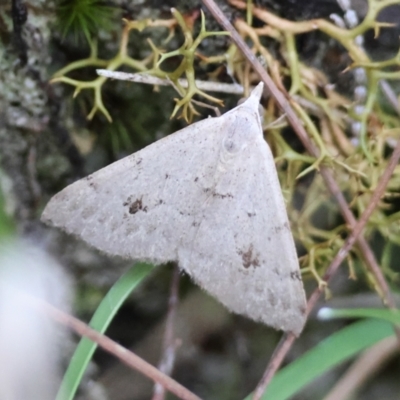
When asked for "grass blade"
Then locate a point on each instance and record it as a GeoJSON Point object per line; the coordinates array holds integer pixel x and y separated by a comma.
{"type": "Point", "coordinates": [100, 321]}
{"type": "Point", "coordinates": [337, 348]}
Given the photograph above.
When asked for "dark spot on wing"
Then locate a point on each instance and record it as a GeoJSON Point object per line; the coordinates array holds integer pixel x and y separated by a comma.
{"type": "Point", "coordinates": [218, 195]}
{"type": "Point", "coordinates": [230, 145]}
{"type": "Point", "coordinates": [138, 161]}
{"type": "Point", "coordinates": [222, 196]}
{"type": "Point", "coordinates": [196, 179]}
{"type": "Point", "coordinates": [89, 180]}
{"type": "Point", "coordinates": [249, 259]}
{"type": "Point", "coordinates": [249, 214]}
{"type": "Point", "coordinates": [283, 227]}
{"type": "Point", "coordinates": [135, 206]}
{"type": "Point", "coordinates": [166, 176]}
{"type": "Point", "coordinates": [295, 275]}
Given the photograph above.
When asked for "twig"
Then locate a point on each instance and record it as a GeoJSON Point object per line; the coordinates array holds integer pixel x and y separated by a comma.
{"type": "Point", "coordinates": [277, 358]}
{"type": "Point", "coordinates": [153, 80]}
{"type": "Point", "coordinates": [170, 344]}
{"type": "Point", "coordinates": [123, 354]}
{"type": "Point", "coordinates": [367, 365]}
{"type": "Point", "coordinates": [287, 340]}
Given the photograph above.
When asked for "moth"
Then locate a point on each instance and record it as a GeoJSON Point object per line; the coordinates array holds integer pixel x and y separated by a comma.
{"type": "Point", "coordinates": [207, 197]}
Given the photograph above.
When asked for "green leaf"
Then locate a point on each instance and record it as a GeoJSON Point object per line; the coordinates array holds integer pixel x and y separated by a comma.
{"type": "Point", "coordinates": [100, 321]}
{"type": "Point", "coordinates": [332, 351]}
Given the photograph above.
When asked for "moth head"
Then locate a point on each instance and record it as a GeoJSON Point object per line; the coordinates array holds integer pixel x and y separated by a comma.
{"type": "Point", "coordinates": [243, 124]}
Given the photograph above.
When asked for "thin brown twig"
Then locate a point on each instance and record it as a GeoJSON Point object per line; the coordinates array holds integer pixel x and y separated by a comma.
{"type": "Point", "coordinates": [170, 344]}
{"type": "Point", "coordinates": [123, 354]}
{"type": "Point", "coordinates": [277, 358]}
{"type": "Point", "coordinates": [288, 339]}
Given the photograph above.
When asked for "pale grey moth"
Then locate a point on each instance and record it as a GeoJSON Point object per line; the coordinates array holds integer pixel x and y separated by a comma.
{"type": "Point", "coordinates": [206, 197]}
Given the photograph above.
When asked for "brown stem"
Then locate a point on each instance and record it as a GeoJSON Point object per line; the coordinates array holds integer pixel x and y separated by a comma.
{"type": "Point", "coordinates": [166, 364]}
{"type": "Point", "coordinates": [277, 358]}
{"type": "Point", "coordinates": [123, 354]}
